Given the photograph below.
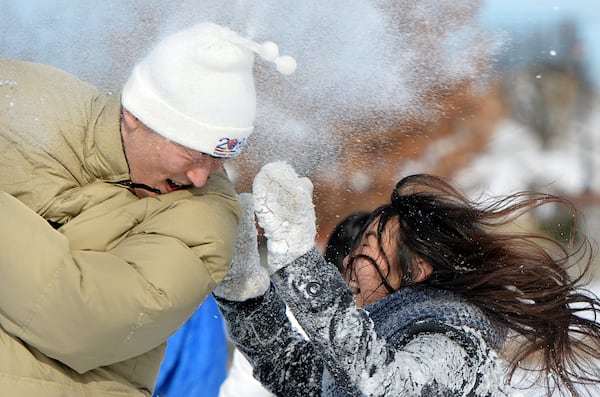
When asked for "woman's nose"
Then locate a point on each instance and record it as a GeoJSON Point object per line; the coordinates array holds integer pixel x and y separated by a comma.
{"type": "Point", "coordinates": [345, 261]}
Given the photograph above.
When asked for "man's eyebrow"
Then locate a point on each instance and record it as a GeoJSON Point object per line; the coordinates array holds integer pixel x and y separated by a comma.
{"type": "Point", "coordinates": [194, 154]}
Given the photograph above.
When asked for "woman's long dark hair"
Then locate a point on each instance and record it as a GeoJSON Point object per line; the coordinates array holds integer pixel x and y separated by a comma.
{"type": "Point", "coordinates": [525, 281]}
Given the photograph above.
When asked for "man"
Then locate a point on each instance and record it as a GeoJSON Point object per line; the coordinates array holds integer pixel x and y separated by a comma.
{"type": "Point", "coordinates": [117, 216]}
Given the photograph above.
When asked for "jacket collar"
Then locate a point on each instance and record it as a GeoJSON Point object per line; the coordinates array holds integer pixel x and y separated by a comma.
{"type": "Point", "coordinates": [107, 159]}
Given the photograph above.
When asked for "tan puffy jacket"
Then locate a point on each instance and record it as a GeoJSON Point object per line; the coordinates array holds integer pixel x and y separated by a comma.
{"type": "Point", "coordinates": [85, 310]}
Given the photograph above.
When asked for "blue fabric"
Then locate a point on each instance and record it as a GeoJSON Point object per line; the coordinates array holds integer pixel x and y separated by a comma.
{"type": "Point", "coordinates": [195, 362]}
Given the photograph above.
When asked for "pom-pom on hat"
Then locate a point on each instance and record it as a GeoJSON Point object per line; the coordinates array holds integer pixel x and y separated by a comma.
{"type": "Point", "coordinates": [196, 88]}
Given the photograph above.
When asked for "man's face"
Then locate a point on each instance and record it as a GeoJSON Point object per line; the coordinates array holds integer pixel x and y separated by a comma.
{"type": "Point", "coordinates": [162, 164]}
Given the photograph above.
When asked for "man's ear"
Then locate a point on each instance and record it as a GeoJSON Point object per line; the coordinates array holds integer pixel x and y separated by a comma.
{"type": "Point", "coordinates": [130, 121]}
{"type": "Point", "coordinates": [422, 270]}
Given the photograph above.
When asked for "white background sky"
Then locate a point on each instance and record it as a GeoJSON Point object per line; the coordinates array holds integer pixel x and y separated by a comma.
{"type": "Point", "coordinates": [527, 14]}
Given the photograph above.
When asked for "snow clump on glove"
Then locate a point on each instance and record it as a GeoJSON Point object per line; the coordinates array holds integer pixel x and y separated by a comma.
{"type": "Point", "coordinates": [284, 208]}
{"type": "Point", "coordinates": [246, 278]}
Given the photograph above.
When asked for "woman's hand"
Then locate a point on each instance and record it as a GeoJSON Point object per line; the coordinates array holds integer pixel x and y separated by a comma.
{"type": "Point", "coordinates": [285, 211]}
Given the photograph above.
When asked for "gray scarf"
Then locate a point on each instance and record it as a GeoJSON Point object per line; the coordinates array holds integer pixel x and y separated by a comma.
{"type": "Point", "coordinates": [405, 313]}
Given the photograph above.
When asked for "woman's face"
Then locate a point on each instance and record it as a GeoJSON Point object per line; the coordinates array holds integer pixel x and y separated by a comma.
{"type": "Point", "coordinates": [363, 277]}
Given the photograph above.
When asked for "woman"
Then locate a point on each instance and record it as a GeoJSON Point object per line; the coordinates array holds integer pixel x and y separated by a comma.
{"type": "Point", "coordinates": [432, 288]}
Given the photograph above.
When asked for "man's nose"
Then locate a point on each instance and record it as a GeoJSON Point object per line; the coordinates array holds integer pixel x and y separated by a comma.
{"type": "Point", "coordinates": [199, 174]}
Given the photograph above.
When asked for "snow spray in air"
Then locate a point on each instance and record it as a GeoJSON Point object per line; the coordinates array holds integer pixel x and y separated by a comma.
{"type": "Point", "coordinates": [361, 62]}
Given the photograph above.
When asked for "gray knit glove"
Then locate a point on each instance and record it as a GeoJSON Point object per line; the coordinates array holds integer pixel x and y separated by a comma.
{"type": "Point", "coordinates": [285, 211]}
{"type": "Point", "coordinates": [246, 278]}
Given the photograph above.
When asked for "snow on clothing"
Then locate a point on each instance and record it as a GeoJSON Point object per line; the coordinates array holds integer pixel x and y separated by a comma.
{"type": "Point", "coordinates": [86, 309]}
{"type": "Point", "coordinates": [418, 341]}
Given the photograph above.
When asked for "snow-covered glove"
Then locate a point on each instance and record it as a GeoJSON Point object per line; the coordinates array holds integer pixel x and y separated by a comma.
{"type": "Point", "coordinates": [285, 211]}
{"type": "Point", "coordinates": [246, 278]}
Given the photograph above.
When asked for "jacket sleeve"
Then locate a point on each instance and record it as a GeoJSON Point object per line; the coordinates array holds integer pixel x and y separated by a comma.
{"type": "Point", "coordinates": [362, 362]}
{"type": "Point", "coordinates": [283, 360]}
{"type": "Point", "coordinates": [115, 283]}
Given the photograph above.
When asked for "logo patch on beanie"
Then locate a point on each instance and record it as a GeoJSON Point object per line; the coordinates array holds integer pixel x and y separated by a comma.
{"type": "Point", "coordinates": [229, 147]}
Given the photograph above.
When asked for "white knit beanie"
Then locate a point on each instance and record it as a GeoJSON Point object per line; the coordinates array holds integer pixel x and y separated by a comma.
{"type": "Point", "coordinates": [196, 88]}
